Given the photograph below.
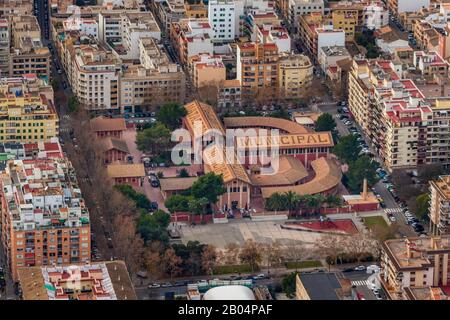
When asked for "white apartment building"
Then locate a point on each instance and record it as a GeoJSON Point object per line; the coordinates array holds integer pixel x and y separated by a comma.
{"type": "Point", "coordinates": [296, 8]}
{"type": "Point", "coordinates": [93, 73]}
{"type": "Point", "coordinates": [135, 26]}
{"type": "Point", "coordinates": [329, 56]}
{"type": "Point", "coordinates": [329, 37]}
{"type": "Point", "coordinates": [268, 33]}
{"type": "Point", "coordinates": [376, 16]}
{"type": "Point", "coordinates": [87, 27]}
{"type": "Point", "coordinates": [223, 17]}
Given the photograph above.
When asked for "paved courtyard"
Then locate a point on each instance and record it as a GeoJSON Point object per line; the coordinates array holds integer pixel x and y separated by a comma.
{"type": "Point", "coordinates": [220, 235]}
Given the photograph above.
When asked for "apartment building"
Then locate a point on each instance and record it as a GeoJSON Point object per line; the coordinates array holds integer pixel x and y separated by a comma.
{"type": "Point", "coordinates": [224, 17]}
{"type": "Point", "coordinates": [295, 75]}
{"type": "Point", "coordinates": [110, 23]}
{"type": "Point", "coordinates": [413, 264]}
{"type": "Point", "coordinates": [315, 33]}
{"type": "Point", "coordinates": [376, 15]}
{"type": "Point", "coordinates": [153, 82]}
{"type": "Point", "coordinates": [268, 33]}
{"type": "Point", "coordinates": [15, 7]}
{"type": "Point", "coordinates": [257, 70]}
{"type": "Point", "coordinates": [397, 7]}
{"type": "Point", "coordinates": [430, 64]}
{"type": "Point", "coordinates": [439, 211]}
{"type": "Point", "coordinates": [190, 37]}
{"type": "Point", "coordinates": [426, 35]}
{"type": "Point", "coordinates": [93, 72]}
{"type": "Point", "coordinates": [44, 218]}
{"type": "Point", "coordinates": [28, 54]}
{"type": "Point", "coordinates": [406, 129]}
{"type": "Point", "coordinates": [229, 96]}
{"type": "Point", "coordinates": [27, 111]}
{"type": "Point", "coordinates": [135, 26]}
{"type": "Point", "coordinates": [86, 27]}
{"type": "Point", "coordinates": [329, 56]}
{"type": "Point", "coordinates": [169, 11]}
{"type": "Point", "coordinates": [196, 10]}
{"type": "Point", "coordinates": [4, 47]}
{"type": "Point", "coordinates": [207, 70]}
{"type": "Point", "coordinates": [291, 10]}
{"type": "Point", "coordinates": [345, 21]}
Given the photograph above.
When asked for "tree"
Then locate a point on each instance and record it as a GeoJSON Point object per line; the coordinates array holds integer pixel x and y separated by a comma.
{"type": "Point", "coordinates": [281, 113]}
{"type": "Point", "coordinates": [330, 246]}
{"type": "Point", "coordinates": [325, 122]}
{"type": "Point", "coordinates": [430, 172]}
{"type": "Point", "coordinates": [141, 201]}
{"type": "Point", "coordinates": [209, 186]}
{"type": "Point", "coordinates": [231, 254]}
{"type": "Point", "coordinates": [251, 254]}
{"type": "Point", "coordinates": [177, 203]}
{"type": "Point", "coordinates": [171, 263]}
{"type": "Point", "coordinates": [73, 104]}
{"type": "Point", "coordinates": [295, 252]}
{"type": "Point", "coordinates": [272, 255]}
{"type": "Point", "coordinates": [347, 148]}
{"type": "Point", "coordinates": [277, 202]}
{"type": "Point", "coordinates": [155, 140]}
{"type": "Point", "coordinates": [209, 259]}
{"type": "Point", "coordinates": [183, 173]}
{"type": "Point", "coordinates": [171, 114]}
{"type": "Point", "coordinates": [154, 227]}
{"type": "Point", "coordinates": [288, 284]}
{"type": "Point", "coordinates": [293, 201]}
{"type": "Point", "coordinates": [154, 260]}
{"type": "Point", "coordinates": [313, 202]}
{"type": "Point", "coordinates": [420, 205]}
{"type": "Point", "coordinates": [363, 167]}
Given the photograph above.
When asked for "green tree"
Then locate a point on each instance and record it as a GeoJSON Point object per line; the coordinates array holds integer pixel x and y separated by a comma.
{"type": "Point", "coordinates": [347, 148]}
{"type": "Point", "coordinates": [277, 202]}
{"type": "Point", "coordinates": [209, 186]}
{"type": "Point", "coordinates": [325, 122]}
{"type": "Point", "coordinates": [288, 284]}
{"type": "Point", "coordinates": [155, 140]}
{"type": "Point", "coordinates": [154, 227]}
{"type": "Point", "coordinates": [141, 201]}
{"type": "Point", "coordinates": [281, 113]}
{"type": "Point", "coordinates": [293, 201]}
{"type": "Point", "coordinates": [198, 206]}
{"type": "Point", "coordinates": [73, 104]}
{"type": "Point", "coordinates": [420, 206]}
{"type": "Point", "coordinates": [183, 173]}
{"type": "Point", "coordinates": [363, 167]}
{"type": "Point", "coordinates": [313, 202]}
{"type": "Point", "coordinates": [177, 203]}
{"type": "Point", "coordinates": [171, 114]}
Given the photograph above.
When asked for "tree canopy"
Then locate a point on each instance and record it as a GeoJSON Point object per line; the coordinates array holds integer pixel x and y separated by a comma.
{"type": "Point", "coordinates": [155, 139]}
{"type": "Point", "coordinates": [171, 114]}
{"type": "Point", "coordinates": [209, 186]}
{"type": "Point", "coordinates": [325, 122]}
{"type": "Point", "coordinates": [153, 227]}
{"type": "Point", "coordinates": [363, 167]}
{"type": "Point", "coordinates": [347, 149]}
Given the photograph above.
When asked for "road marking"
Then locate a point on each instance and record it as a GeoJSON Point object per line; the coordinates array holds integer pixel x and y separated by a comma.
{"type": "Point", "coordinates": [360, 283]}
{"type": "Point", "coordinates": [393, 210]}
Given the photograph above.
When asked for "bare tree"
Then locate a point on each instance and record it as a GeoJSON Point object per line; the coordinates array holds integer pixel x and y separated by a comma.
{"type": "Point", "coordinates": [331, 246]}
{"type": "Point", "coordinates": [272, 255]}
{"type": "Point", "coordinates": [231, 254]}
{"type": "Point", "coordinates": [251, 253]}
{"type": "Point", "coordinates": [209, 258]}
{"type": "Point", "coordinates": [296, 252]}
{"type": "Point", "coordinates": [171, 263]}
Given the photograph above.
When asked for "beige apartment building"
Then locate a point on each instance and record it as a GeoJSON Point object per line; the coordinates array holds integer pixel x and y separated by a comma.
{"type": "Point", "coordinates": [412, 265]}
{"type": "Point", "coordinates": [15, 7]}
{"type": "Point", "coordinates": [28, 54]}
{"type": "Point", "coordinates": [4, 47]}
{"type": "Point", "coordinates": [154, 82]}
{"type": "Point", "coordinates": [295, 75]}
{"type": "Point", "coordinates": [439, 211]}
{"type": "Point", "coordinates": [207, 70]}
{"type": "Point", "coordinates": [93, 72]}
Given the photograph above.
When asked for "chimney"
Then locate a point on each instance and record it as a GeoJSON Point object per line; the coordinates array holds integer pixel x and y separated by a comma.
{"type": "Point", "coordinates": [364, 194]}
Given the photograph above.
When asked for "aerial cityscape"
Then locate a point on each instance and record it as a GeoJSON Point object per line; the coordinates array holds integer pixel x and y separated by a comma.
{"type": "Point", "coordinates": [225, 150]}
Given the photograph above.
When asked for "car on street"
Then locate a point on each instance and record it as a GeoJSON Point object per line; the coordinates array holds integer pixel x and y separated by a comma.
{"type": "Point", "coordinates": [378, 296]}
{"type": "Point", "coordinates": [166, 285]}
{"type": "Point", "coordinates": [154, 285]}
{"type": "Point", "coordinates": [360, 268]}
{"type": "Point", "coordinates": [154, 182]}
{"type": "Point", "coordinates": [392, 218]}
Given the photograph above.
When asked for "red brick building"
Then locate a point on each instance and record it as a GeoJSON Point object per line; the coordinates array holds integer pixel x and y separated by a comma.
{"type": "Point", "coordinates": [114, 150]}
{"type": "Point", "coordinates": [131, 174]}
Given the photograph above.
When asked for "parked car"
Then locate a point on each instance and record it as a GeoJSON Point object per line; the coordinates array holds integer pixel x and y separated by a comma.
{"type": "Point", "coordinates": [360, 268]}
{"type": "Point", "coordinates": [166, 285]}
{"type": "Point", "coordinates": [392, 218]}
{"type": "Point", "coordinates": [154, 182]}
{"type": "Point", "coordinates": [154, 285]}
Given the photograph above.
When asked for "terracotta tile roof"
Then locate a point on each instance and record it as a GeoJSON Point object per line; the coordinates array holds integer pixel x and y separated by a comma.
{"type": "Point", "coordinates": [328, 176]}
{"type": "Point", "coordinates": [108, 124]}
{"type": "Point", "coordinates": [174, 184]}
{"type": "Point", "coordinates": [126, 170]}
{"type": "Point", "coordinates": [290, 171]}
{"type": "Point", "coordinates": [255, 122]}
{"type": "Point", "coordinates": [110, 143]}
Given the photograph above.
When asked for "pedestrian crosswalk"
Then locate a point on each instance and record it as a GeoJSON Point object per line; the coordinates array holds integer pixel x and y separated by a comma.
{"type": "Point", "coordinates": [392, 210]}
{"type": "Point", "coordinates": [360, 283]}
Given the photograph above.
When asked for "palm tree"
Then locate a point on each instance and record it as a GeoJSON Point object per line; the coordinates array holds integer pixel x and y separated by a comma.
{"type": "Point", "coordinates": [314, 201]}
{"type": "Point", "coordinates": [333, 201]}
{"type": "Point", "coordinates": [292, 201]}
